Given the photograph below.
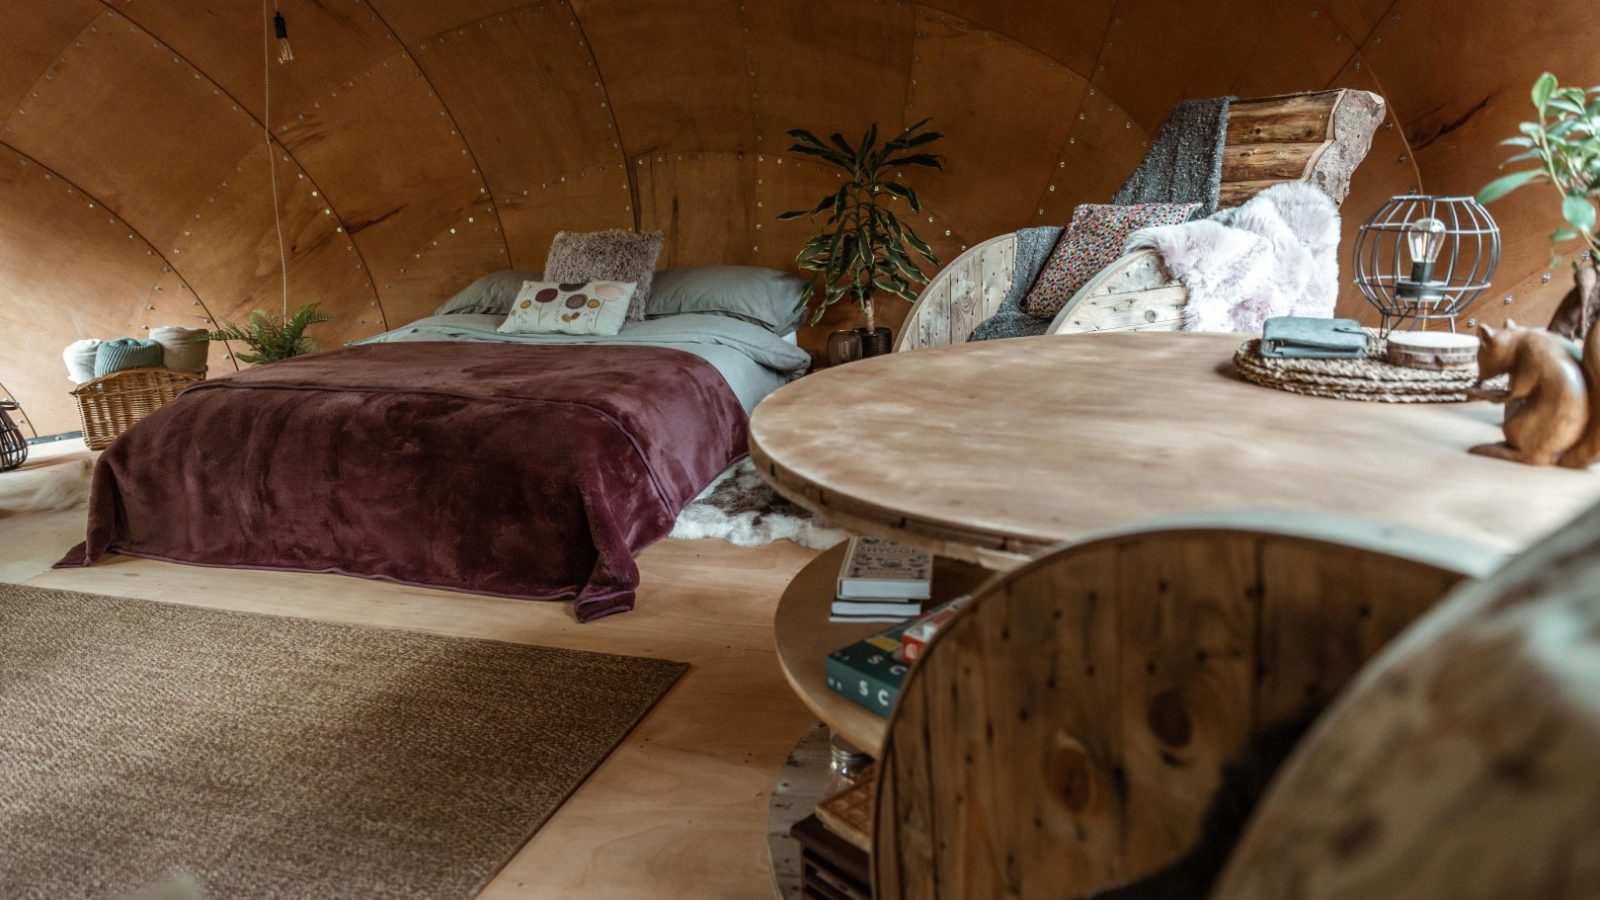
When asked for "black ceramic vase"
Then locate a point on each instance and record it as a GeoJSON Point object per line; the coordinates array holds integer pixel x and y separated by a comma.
{"type": "Point", "coordinates": [876, 342]}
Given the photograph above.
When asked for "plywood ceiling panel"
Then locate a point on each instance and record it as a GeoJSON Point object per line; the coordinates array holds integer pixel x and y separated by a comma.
{"type": "Point", "coordinates": [678, 73]}
{"type": "Point", "coordinates": [228, 251]}
{"type": "Point", "coordinates": [556, 164]}
{"type": "Point", "coordinates": [331, 39]}
{"type": "Point", "coordinates": [591, 200]}
{"type": "Point", "coordinates": [807, 57]}
{"type": "Point", "coordinates": [966, 81]}
{"type": "Point", "coordinates": [397, 172]}
{"type": "Point", "coordinates": [457, 255]}
{"type": "Point", "coordinates": [417, 20]}
{"type": "Point", "coordinates": [704, 205]}
{"type": "Point", "coordinates": [152, 154]}
{"type": "Point", "coordinates": [33, 37]}
{"type": "Point", "coordinates": [1102, 149]}
{"type": "Point", "coordinates": [1069, 32]}
{"type": "Point", "coordinates": [1356, 18]}
{"type": "Point", "coordinates": [1159, 52]}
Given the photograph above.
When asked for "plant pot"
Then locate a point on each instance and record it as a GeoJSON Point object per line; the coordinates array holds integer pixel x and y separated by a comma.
{"type": "Point", "coordinates": [876, 342]}
{"type": "Point", "coordinates": [844, 346]}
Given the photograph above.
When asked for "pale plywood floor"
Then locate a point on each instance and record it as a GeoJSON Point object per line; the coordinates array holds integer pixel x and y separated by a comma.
{"type": "Point", "coordinates": [678, 811]}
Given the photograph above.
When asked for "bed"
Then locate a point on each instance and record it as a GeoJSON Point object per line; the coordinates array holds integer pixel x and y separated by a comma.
{"type": "Point", "coordinates": [446, 454]}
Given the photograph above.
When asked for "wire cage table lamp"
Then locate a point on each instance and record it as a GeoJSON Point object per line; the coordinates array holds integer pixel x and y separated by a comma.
{"type": "Point", "coordinates": [1424, 258]}
{"type": "Point", "coordinates": [13, 446]}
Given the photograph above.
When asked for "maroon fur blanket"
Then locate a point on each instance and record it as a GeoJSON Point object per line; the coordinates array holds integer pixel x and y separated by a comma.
{"type": "Point", "coordinates": [519, 471]}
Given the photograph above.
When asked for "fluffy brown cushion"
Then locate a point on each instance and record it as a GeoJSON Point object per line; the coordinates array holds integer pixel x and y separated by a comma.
{"type": "Point", "coordinates": [613, 255]}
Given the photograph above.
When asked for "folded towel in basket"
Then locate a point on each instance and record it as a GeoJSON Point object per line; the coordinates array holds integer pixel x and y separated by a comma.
{"type": "Point", "coordinates": [182, 349]}
{"type": "Point", "coordinates": [126, 353]}
{"type": "Point", "coordinates": [79, 357]}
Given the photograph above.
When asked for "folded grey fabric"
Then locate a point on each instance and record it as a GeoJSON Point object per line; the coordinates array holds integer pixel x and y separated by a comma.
{"type": "Point", "coordinates": [182, 349]}
{"type": "Point", "coordinates": [1033, 251]}
{"type": "Point", "coordinates": [126, 353]}
{"type": "Point", "coordinates": [1184, 164]}
{"type": "Point", "coordinates": [1303, 337]}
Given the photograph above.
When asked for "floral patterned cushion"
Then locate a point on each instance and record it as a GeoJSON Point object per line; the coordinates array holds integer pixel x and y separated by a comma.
{"type": "Point", "coordinates": [1093, 241]}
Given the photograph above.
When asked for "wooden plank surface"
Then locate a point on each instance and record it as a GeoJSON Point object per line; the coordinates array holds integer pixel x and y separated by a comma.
{"type": "Point", "coordinates": [1066, 730]}
{"type": "Point", "coordinates": [1015, 445]}
{"type": "Point", "coordinates": [1460, 761]}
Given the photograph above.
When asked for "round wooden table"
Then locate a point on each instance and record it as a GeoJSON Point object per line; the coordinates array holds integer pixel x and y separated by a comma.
{"type": "Point", "coordinates": [989, 452]}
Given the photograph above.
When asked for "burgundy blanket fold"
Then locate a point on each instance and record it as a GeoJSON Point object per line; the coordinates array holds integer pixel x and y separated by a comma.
{"type": "Point", "coordinates": [521, 471]}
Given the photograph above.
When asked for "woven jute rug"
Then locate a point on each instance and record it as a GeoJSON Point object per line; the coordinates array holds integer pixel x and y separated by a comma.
{"type": "Point", "coordinates": [269, 757]}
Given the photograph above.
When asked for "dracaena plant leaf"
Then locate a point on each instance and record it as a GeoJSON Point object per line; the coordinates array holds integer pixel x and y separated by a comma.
{"type": "Point", "coordinates": [862, 250]}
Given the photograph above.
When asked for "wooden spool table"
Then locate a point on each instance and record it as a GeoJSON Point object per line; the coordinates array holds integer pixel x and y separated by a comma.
{"type": "Point", "coordinates": [991, 452]}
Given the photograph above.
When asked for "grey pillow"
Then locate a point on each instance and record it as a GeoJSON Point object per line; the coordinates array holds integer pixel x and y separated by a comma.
{"type": "Point", "coordinates": [492, 294]}
{"type": "Point", "coordinates": [765, 297]}
{"type": "Point", "coordinates": [611, 255]}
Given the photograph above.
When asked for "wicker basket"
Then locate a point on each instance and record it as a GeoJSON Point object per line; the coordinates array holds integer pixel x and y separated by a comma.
{"type": "Point", "coordinates": [108, 405]}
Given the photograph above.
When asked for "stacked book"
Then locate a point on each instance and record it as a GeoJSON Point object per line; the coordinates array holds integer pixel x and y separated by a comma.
{"type": "Point", "coordinates": [881, 581]}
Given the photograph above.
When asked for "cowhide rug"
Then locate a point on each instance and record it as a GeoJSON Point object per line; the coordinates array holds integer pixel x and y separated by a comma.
{"type": "Point", "coordinates": [741, 508]}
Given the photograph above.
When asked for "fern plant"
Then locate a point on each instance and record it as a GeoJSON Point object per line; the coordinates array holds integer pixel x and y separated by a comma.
{"type": "Point", "coordinates": [866, 248]}
{"type": "Point", "coordinates": [271, 338]}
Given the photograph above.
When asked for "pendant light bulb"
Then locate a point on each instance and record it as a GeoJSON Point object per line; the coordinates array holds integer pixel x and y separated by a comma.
{"type": "Point", "coordinates": [282, 29]}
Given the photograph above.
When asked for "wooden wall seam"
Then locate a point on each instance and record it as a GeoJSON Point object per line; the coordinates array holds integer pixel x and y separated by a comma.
{"type": "Point", "coordinates": [1061, 151]}
{"type": "Point", "coordinates": [152, 249]}
{"type": "Point", "coordinates": [433, 89]}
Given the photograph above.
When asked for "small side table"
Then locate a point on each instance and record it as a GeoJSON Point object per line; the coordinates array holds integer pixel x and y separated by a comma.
{"type": "Point", "coordinates": [805, 637]}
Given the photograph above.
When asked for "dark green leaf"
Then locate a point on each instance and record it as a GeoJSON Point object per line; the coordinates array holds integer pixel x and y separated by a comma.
{"type": "Point", "coordinates": [917, 159]}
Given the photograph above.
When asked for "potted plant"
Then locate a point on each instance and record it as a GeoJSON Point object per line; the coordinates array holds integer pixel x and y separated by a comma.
{"type": "Point", "coordinates": [271, 338]}
{"type": "Point", "coordinates": [865, 249]}
{"type": "Point", "coordinates": [1564, 142]}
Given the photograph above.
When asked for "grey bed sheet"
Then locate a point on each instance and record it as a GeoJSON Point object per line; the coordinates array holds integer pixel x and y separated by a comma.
{"type": "Point", "coordinates": [754, 361]}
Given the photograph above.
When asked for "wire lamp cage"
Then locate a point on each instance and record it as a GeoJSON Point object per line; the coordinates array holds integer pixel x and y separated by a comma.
{"type": "Point", "coordinates": [13, 446]}
{"type": "Point", "coordinates": [1422, 258]}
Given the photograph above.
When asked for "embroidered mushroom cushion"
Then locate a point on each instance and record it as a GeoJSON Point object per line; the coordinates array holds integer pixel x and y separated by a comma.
{"type": "Point", "coordinates": [586, 307]}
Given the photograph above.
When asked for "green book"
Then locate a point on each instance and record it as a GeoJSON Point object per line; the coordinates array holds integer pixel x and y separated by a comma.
{"type": "Point", "coordinates": [869, 672]}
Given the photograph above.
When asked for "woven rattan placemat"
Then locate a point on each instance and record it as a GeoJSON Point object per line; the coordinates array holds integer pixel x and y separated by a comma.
{"type": "Point", "coordinates": [1369, 378]}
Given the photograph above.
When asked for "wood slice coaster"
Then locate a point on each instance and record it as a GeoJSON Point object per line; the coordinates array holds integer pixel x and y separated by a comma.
{"type": "Point", "coordinates": [1371, 378]}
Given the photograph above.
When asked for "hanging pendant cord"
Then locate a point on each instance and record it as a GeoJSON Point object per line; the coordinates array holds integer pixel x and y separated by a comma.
{"type": "Point", "coordinates": [266, 128]}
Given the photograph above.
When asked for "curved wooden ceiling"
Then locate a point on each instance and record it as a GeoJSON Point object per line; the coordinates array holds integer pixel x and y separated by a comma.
{"type": "Point", "coordinates": [421, 143]}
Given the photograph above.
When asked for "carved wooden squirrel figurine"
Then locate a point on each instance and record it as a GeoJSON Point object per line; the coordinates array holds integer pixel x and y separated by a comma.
{"type": "Point", "coordinates": [1553, 406]}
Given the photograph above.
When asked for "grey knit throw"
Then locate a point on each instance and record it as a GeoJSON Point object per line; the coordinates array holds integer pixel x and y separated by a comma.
{"type": "Point", "coordinates": [1184, 164]}
{"type": "Point", "coordinates": [1033, 248]}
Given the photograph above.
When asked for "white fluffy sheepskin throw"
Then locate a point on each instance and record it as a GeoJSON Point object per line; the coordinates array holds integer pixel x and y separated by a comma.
{"type": "Point", "coordinates": [741, 508]}
{"type": "Point", "coordinates": [1277, 255]}
{"type": "Point", "coordinates": [49, 487]}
